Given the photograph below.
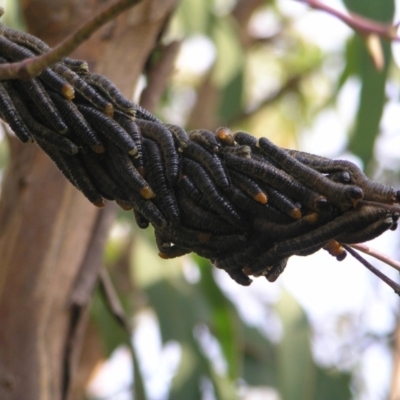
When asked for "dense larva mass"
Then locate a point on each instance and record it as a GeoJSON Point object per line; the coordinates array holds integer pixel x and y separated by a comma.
{"type": "Point", "coordinates": [10, 114]}
{"type": "Point", "coordinates": [42, 105]}
{"type": "Point", "coordinates": [245, 204]}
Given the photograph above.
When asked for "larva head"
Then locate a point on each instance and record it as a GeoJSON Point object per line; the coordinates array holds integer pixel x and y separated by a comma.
{"type": "Point", "coordinates": [275, 271]}
{"type": "Point", "coordinates": [147, 193]}
{"type": "Point", "coordinates": [225, 136]}
{"type": "Point", "coordinates": [109, 110]}
{"type": "Point", "coordinates": [344, 177]}
{"type": "Point", "coordinates": [354, 194]}
{"type": "Point", "coordinates": [99, 202]}
{"type": "Point", "coordinates": [340, 177]}
{"type": "Point", "coordinates": [124, 205]}
{"type": "Point", "coordinates": [296, 213]}
{"type": "Point", "coordinates": [335, 249]}
{"type": "Point", "coordinates": [261, 198]}
{"type": "Point", "coordinates": [68, 91]}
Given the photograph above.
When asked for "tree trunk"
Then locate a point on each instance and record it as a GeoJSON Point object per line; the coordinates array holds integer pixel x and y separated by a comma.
{"type": "Point", "coordinates": [51, 237]}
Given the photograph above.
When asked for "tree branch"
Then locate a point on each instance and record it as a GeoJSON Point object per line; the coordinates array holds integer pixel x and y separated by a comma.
{"type": "Point", "coordinates": [358, 23]}
{"type": "Point", "coordinates": [32, 67]}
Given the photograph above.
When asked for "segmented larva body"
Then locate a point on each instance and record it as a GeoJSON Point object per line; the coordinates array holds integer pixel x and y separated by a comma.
{"type": "Point", "coordinates": [244, 203]}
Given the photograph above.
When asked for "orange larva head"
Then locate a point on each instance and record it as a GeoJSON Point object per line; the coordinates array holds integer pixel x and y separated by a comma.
{"type": "Point", "coordinates": [147, 193]}
{"type": "Point", "coordinates": [225, 136]}
{"type": "Point", "coordinates": [68, 91]}
{"type": "Point", "coordinates": [261, 198]}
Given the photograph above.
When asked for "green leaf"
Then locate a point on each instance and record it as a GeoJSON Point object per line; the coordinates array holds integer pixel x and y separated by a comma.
{"type": "Point", "coordinates": [185, 384]}
{"type": "Point", "coordinates": [260, 359]}
{"type": "Point", "coordinates": [4, 154]}
{"type": "Point", "coordinates": [332, 385]}
{"type": "Point", "coordinates": [231, 98]}
{"type": "Point", "coordinates": [111, 332]}
{"type": "Point", "coordinates": [351, 67]}
{"type": "Point", "coordinates": [296, 365]}
{"type": "Point", "coordinates": [372, 101]}
{"type": "Point", "coordinates": [113, 336]}
{"type": "Point", "coordinates": [226, 325]}
{"type": "Point", "coordinates": [194, 367]}
{"type": "Point", "coordinates": [13, 15]}
{"type": "Point", "coordinates": [224, 388]}
{"type": "Point", "coordinates": [178, 307]}
{"type": "Point", "coordinates": [229, 52]}
{"type": "Point", "coordinates": [194, 15]}
{"type": "Point", "coordinates": [382, 10]}
{"type": "Point", "coordinates": [359, 63]}
{"type": "Point", "coordinates": [299, 376]}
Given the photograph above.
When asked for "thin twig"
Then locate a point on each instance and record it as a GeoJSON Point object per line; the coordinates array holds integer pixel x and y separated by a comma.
{"type": "Point", "coordinates": [31, 67]}
{"type": "Point", "coordinates": [114, 304]}
{"type": "Point", "coordinates": [395, 286]}
{"type": "Point", "coordinates": [377, 254]}
{"type": "Point", "coordinates": [358, 23]}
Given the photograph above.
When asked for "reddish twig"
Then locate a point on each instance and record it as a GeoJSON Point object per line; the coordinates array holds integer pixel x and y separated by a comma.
{"type": "Point", "coordinates": [358, 23]}
{"type": "Point", "coordinates": [377, 254]}
{"type": "Point", "coordinates": [31, 67]}
{"type": "Point", "coordinates": [395, 286]}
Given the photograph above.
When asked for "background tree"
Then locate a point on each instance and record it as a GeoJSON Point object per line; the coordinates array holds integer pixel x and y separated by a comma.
{"type": "Point", "coordinates": [51, 238]}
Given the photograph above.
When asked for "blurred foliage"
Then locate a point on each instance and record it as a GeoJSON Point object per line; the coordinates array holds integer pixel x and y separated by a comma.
{"type": "Point", "coordinates": [13, 19]}
{"type": "Point", "coordinates": [273, 77]}
{"type": "Point", "coordinates": [13, 16]}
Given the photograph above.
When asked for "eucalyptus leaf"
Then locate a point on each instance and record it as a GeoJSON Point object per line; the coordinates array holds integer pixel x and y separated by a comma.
{"type": "Point", "coordinates": [372, 101]}
{"type": "Point", "coordinates": [260, 359]}
{"type": "Point", "coordinates": [382, 10]}
{"type": "Point", "coordinates": [229, 52]}
{"type": "Point", "coordinates": [296, 367]}
{"type": "Point", "coordinates": [226, 324]}
{"type": "Point", "coordinates": [111, 332]}
{"type": "Point", "coordinates": [178, 307]}
{"type": "Point", "coordinates": [194, 15]}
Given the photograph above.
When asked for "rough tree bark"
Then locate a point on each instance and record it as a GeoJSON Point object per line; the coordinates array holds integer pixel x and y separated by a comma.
{"type": "Point", "coordinates": [51, 238]}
